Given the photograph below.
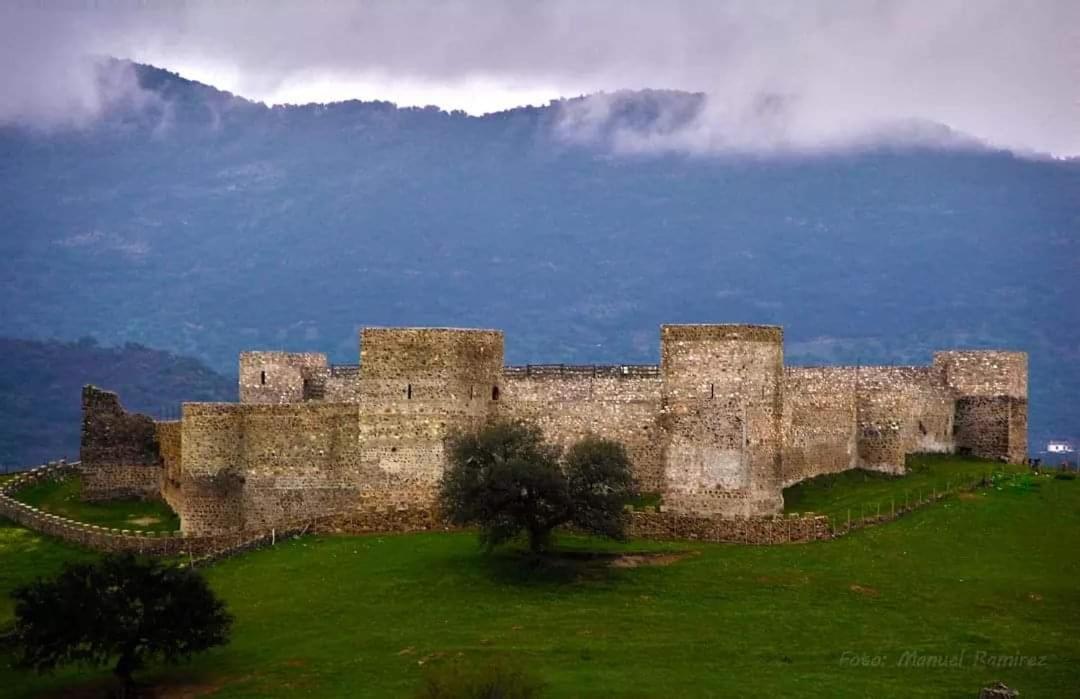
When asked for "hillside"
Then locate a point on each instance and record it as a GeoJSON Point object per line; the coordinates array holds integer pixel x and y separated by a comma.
{"type": "Point", "coordinates": [207, 224]}
{"type": "Point", "coordinates": [41, 385]}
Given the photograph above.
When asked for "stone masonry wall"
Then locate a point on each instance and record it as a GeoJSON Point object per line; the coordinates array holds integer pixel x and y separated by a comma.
{"type": "Point", "coordinates": [721, 411]}
{"type": "Point", "coordinates": [720, 427]}
{"type": "Point", "coordinates": [984, 372]}
{"type": "Point", "coordinates": [119, 451]}
{"type": "Point", "coordinates": [570, 402]}
{"type": "Point", "coordinates": [992, 427]}
{"type": "Point", "coordinates": [819, 424]}
{"type": "Point", "coordinates": [213, 467]}
{"type": "Point", "coordinates": [169, 434]}
{"type": "Point", "coordinates": [417, 386]}
{"type": "Point", "coordinates": [278, 377]}
{"type": "Point", "coordinates": [991, 390]}
{"type": "Point", "coordinates": [253, 467]}
{"type": "Point", "coordinates": [901, 410]}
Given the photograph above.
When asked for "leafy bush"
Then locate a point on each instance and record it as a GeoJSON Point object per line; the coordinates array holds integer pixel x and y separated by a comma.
{"type": "Point", "coordinates": [497, 680]}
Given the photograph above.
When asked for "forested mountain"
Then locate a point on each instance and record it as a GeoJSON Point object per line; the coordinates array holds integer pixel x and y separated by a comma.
{"type": "Point", "coordinates": [41, 386]}
{"type": "Point", "coordinates": [200, 222]}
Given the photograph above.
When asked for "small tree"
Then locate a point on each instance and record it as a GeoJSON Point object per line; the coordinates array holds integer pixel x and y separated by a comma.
{"type": "Point", "coordinates": [120, 608]}
{"type": "Point", "coordinates": [507, 480]}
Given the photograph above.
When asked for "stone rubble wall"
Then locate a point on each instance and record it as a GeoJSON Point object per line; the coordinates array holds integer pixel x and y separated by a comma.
{"type": "Point", "coordinates": [722, 400]}
{"type": "Point", "coordinates": [741, 530]}
{"type": "Point", "coordinates": [901, 410]}
{"type": "Point", "coordinates": [118, 453]}
{"type": "Point", "coordinates": [569, 403]}
{"type": "Point", "coordinates": [277, 377]}
{"type": "Point", "coordinates": [719, 427]}
{"type": "Point", "coordinates": [170, 446]}
{"type": "Point", "coordinates": [992, 427]}
{"type": "Point", "coordinates": [984, 373]}
{"type": "Point", "coordinates": [819, 425]}
{"type": "Point", "coordinates": [418, 386]}
{"type": "Point", "coordinates": [94, 537]}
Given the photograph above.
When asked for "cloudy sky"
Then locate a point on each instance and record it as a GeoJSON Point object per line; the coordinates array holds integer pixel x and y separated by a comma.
{"type": "Point", "coordinates": [1003, 71]}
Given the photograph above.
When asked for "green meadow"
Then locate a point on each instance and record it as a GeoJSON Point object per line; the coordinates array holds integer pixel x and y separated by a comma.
{"type": "Point", "coordinates": [974, 588]}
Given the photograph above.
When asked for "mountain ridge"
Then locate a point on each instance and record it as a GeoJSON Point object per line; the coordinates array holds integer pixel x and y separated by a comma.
{"type": "Point", "coordinates": [196, 220]}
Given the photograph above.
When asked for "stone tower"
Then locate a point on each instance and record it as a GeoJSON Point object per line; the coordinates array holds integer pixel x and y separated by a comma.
{"type": "Point", "coordinates": [416, 385]}
{"type": "Point", "coordinates": [721, 405]}
{"type": "Point", "coordinates": [991, 394]}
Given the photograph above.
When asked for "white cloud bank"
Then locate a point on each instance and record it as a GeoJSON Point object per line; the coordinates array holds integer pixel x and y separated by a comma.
{"type": "Point", "coordinates": [1005, 71]}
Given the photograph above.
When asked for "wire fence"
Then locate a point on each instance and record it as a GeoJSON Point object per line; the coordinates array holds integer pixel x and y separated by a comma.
{"type": "Point", "coordinates": [875, 510]}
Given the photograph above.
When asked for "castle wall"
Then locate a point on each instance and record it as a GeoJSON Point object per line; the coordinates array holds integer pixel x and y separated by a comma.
{"type": "Point", "coordinates": [278, 377]}
{"type": "Point", "coordinates": [417, 385]}
{"type": "Point", "coordinates": [569, 403]}
{"type": "Point", "coordinates": [819, 422]}
{"type": "Point", "coordinates": [719, 427]}
{"type": "Point", "coordinates": [984, 372]}
{"type": "Point", "coordinates": [901, 410]}
{"type": "Point", "coordinates": [991, 408]}
{"type": "Point", "coordinates": [213, 465]}
{"type": "Point", "coordinates": [299, 461]}
{"type": "Point", "coordinates": [342, 385]}
{"type": "Point", "coordinates": [721, 409]}
{"type": "Point", "coordinates": [169, 438]}
{"type": "Point", "coordinates": [118, 451]}
{"type": "Point", "coordinates": [992, 427]}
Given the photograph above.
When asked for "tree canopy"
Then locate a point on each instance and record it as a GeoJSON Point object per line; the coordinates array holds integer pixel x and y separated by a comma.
{"type": "Point", "coordinates": [506, 479]}
{"type": "Point", "coordinates": [120, 609]}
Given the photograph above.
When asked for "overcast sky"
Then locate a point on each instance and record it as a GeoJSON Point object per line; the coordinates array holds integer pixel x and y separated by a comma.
{"type": "Point", "coordinates": [1005, 71]}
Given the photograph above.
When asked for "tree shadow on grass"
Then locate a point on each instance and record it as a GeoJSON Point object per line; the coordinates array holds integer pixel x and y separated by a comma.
{"type": "Point", "coordinates": [569, 567]}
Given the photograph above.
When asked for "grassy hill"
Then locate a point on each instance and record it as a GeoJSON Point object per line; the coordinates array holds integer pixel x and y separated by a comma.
{"type": "Point", "coordinates": [989, 575]}
{"type": "Point", "coordinates": [41, 388]}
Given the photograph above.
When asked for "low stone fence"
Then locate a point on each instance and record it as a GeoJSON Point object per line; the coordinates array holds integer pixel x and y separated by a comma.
{"type": "Point", "coordinates": [651, 523]}
{"type": "Point", "coordinates": [95, 537]}
{"type": "Point", "coordinates": [779, 529]}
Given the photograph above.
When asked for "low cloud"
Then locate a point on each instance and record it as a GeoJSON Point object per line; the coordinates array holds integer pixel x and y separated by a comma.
{"type": "Point", "coordinates": [788, 74]}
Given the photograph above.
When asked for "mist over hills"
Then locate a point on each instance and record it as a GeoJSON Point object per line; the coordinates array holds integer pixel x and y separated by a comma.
{"type": "Point", "coordinates": [192, 220]}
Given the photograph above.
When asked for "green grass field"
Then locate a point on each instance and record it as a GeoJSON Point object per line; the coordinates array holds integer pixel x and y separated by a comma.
{"type": "Point", "coordinates": [992, 574]}
{"type": "Point", "coordinates": [856, 493]}
{"type": "Point", "coordinates": [61, 497]}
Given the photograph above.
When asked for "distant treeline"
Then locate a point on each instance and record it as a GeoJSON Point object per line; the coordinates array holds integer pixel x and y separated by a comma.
{"type": "Point", "coordinates": [41, 384]}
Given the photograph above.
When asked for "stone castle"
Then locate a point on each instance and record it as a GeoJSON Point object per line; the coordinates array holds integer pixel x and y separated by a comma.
{"type": "Point", "coordinates": [720, 427]}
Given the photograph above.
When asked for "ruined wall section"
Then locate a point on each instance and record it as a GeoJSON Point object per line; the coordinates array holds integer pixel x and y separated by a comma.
{"type": "Point", "coordinates": [417, 385]}
{"type": "Point", "coordinates": [277, 378]}
{"type": "Point", "coordinates": [991, 401]}
{"type": "Point", "coordinates": [901, 410]}
{"type": "Point", "coordinates": [722, 412]}
{"type": "Point", "coordinates": [169, 437]}
{"type": "Point", "coordinates": [118, 450]}
{"type": "Point", "coordinates": [568, 403]}
{"type": "Point", "coordinates": [819, 422]}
